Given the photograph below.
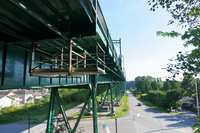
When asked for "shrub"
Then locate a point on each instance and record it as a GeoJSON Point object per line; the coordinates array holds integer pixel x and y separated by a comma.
{"type": "Point", "coordinates": [172, 96]}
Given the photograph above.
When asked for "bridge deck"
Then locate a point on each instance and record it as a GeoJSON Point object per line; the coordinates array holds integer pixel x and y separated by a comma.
{"type": "Point", "coordinates": [51, 23]}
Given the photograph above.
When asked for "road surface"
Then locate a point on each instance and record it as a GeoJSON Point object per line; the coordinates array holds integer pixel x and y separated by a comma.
{"type": "Point", "coordinates": [143, 119]}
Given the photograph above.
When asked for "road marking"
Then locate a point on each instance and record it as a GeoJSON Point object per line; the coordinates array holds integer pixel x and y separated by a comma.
{"type": "Point", "coordinates": [182, 130]}
{"type": "Point", "coordinates": [138, 115]}
{"type": "Point", "coordinates": [107, 129]}
{"type": "Point", "coordinates": [177, 129]}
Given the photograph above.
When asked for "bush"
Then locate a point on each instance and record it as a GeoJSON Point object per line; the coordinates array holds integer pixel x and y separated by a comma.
{"type": "Point", "coordinates": [172, 96]}
{"type": "Point", "coordinates": [166, 100]}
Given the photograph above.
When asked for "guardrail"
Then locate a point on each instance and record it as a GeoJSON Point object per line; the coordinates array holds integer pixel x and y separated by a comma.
{"type": "Point", "coordinates": [104, 29]}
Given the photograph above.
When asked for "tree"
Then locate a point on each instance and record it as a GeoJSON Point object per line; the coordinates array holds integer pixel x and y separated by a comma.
{"type": "Point", "coordinates": [154, 85]}
{"type": "Point", "coordinates": [172, 97]}
{"type": "Point", "coordinates": [166, 85]}
{"type": "Point", "coordinates": [143, 83]}
{"type": "Point", "coordinates": [130, 84]}
{"type": "Point", "coordinates": [188, 82]}
{"type": "Point", "coordinates": [187, 13]}
{"type": "Point", "coordinates": [138, 83]}
{"type": "Point", "coordinates": [174, 84]}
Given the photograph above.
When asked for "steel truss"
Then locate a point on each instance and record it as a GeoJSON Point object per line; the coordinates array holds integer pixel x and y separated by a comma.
{"type": "Point", "coordinates": [91, 96]}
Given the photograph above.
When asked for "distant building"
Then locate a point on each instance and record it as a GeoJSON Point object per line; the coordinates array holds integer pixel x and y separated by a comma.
{"type": "Point", "coordinates": [9, 98]}
{"type": "Point", "coordinates": [25, 95]}
{"type": "Point", "coordinates": [37, 96]}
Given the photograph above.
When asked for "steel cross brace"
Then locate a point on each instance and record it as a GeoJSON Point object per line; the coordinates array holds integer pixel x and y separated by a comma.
{"type": "Point", "coordinates": [104, 99]}
{"type": "Point", "coordinates": [54, 93]}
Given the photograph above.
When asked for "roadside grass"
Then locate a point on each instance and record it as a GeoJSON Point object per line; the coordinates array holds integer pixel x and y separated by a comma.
{"type": "Point", "coordinates": [177, 112]}
{"type": "Point", "coordinates": [39, 110]}
{"type": "Point", "coordinates": [123, 108]}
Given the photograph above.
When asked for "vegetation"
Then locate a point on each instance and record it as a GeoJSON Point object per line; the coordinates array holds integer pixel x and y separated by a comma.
{"type": "Point", "coordinates": [123, 108]}
{"type": "Point", "coordinates": [38, 110]}
{"type": "Point", "coordinates": [130, 85]}
{"type": "Point", "coordinates": [163, 99]}
{"type": "Point", "coordinates": [153, 106]}
{"type": "Point", "coordinates": [147, 83]}
{"type": "Point", "coordinates": [187, 14]}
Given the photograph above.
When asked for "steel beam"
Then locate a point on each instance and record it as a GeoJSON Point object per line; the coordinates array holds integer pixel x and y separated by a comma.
{"type": "Point", "coordinates": [39, 18]}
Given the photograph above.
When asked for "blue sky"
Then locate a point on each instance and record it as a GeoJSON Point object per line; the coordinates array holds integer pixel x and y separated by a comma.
{"type": "Point", "coordinates": [145, 54]}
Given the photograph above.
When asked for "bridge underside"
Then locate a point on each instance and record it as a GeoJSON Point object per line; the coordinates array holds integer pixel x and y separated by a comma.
{"type": "Point", "coordinates": [58, 44]}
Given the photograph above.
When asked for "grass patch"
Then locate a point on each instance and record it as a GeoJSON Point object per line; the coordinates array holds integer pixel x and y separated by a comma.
{"type": "Point", "coordinates": [123, 108]}
{"type": "Point", "coordinates": [177, 112]}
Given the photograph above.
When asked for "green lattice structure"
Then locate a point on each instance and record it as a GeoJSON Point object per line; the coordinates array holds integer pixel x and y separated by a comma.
{"type": "Point", "coordinates": [59, 44]}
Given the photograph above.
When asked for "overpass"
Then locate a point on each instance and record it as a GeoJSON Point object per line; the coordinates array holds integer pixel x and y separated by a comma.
{"type": "Point", "coordinates": [59, 44]}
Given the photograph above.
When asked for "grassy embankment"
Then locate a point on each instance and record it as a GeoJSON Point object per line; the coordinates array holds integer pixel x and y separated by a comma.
{"type": "Point", "coordinates": [39, 110]}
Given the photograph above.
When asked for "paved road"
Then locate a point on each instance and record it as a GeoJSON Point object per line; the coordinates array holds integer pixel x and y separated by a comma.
{"type": "Point", "coordinates": [140, 119]}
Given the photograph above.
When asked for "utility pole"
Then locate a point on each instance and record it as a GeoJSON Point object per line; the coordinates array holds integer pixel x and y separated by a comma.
{"type": "Point", "coordinates": [197, 101]}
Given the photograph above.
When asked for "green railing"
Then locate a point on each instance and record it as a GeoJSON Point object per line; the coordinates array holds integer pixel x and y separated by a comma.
{"type": "Point", "coordinates": [101, 23]}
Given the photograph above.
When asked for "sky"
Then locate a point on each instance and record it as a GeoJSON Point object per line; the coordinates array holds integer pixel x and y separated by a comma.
{"type": "Point", "coordinates": [145, 53]}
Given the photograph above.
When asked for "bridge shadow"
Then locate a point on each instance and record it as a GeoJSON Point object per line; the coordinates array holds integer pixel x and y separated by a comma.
{"type": "Point", "coordinates": [178, 120]}
{"type": "Point", "coordinates": [162, 130]}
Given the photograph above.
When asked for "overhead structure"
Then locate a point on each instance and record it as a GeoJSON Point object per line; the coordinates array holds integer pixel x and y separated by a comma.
{"type": "Point", "coordinates": [58, 44]}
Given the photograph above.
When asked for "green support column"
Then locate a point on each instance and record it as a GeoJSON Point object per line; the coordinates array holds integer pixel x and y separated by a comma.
{"type": "Point", "coordinates": [108, 94]}
{"type": "Point", "coordinates": [101, 93]}
{"type": "Point", "coordinates": [120, 88]}
{"type": "Point", "coordinates": [117, 91]}
{"type": "Point", "coordinates": [51, 113]}
{"type": "Point", "coordinates": [89, 105]}
{"type": "Point", "coordinates": [94, 105]}
{"type": "Point", "coordinates": [111, 95]}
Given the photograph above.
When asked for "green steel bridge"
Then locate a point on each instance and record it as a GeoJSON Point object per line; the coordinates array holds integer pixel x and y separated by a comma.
{"type": "Point", "coordinates": [59, 44]}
